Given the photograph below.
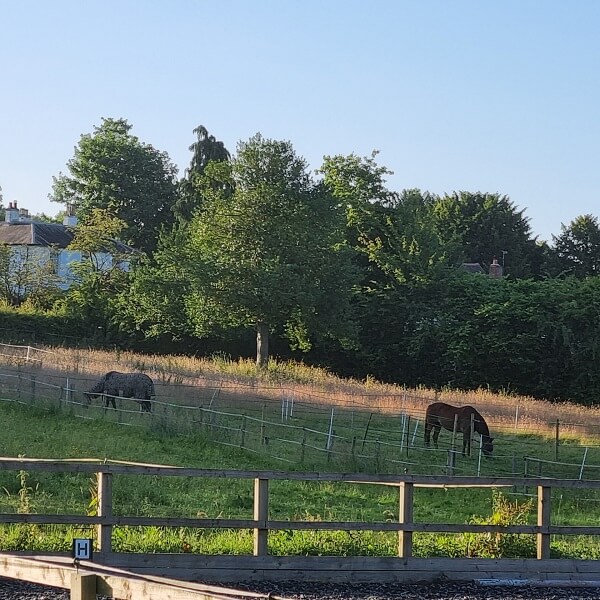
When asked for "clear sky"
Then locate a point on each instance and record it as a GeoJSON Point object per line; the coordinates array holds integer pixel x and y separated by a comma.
{"type": "Point", "coordinates": [475, 95]}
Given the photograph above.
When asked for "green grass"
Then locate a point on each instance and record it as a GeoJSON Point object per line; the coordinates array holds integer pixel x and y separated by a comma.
{"type": "Point", "coordinates": [46, 433]}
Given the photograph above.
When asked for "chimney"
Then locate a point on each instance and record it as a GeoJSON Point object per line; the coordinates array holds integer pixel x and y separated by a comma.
{"type": "Point", "coordinates": [12, 213]}
{"type": "Point", "coordinates": [70, 219]}
{"type": "Point", "coordinates": [495, 269]}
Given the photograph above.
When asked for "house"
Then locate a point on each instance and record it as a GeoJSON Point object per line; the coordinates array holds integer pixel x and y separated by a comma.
{"type": "Point", "coordinates": [43, 243]}
{"type": "Point", "coordinates": [495, 269]}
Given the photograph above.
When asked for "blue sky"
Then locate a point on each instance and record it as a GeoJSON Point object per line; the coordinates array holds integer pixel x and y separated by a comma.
{"type": "Point", "coordinates": [476, 95]}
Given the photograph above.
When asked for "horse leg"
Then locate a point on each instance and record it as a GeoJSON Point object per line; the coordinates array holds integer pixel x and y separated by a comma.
{"type": "Point", "coordinates": [467, 435]}
{"type": "Point", "coordinates": [427, 433]}
{"type": "Point", "coordinates": [436, 434]}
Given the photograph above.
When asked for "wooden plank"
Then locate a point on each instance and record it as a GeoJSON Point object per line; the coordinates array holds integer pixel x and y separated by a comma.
{"type": "Point", "coordinates": [35, 571]}
{"type": "Point", "coordinates": [121, 585]}
{"type": "Point", "coordinates": [294, 525]}
{"type": "Point", "coordinates": [140, 574]}
{"type": "Point", "coordinates": [83, 587]}
{"type": "Point", "coordinates": [98, 466]}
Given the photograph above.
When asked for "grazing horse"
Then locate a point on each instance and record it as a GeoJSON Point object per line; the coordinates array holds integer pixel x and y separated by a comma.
{"type": "Point", "coordinates": [440, 415]}
{"type": "Point", "coordinates": [125, 385]}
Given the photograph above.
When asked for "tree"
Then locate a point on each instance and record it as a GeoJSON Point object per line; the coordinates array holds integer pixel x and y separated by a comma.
{"type": "Point", "coordinates": [113, 170]}
{"type": "Point", "coordinates": [577, 247]}
{"type": "Point", "coordinates": [271, 254]}
{"type": "Point", "coordinates": [101, 274]}
{"type": "Point", "coordinates": [204, 150]}
{"type": "Point", "coordinates": [393, 231]}
{"type": "Point", "coordinates": [26, 275]}
{"type": "Point", "coordinates": [479, 227]}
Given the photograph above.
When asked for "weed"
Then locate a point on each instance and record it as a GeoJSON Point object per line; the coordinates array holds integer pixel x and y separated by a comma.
{"type": "Point", "coordinates": [501, 545]}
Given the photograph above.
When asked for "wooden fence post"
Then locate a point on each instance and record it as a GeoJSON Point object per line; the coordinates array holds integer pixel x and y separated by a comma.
{"type": "Point", "coordinates": [557, 439]}
{"type": "Point", "coordinates": [543, 521]}
{"type": "Point", "coordinates": [405, 538]}
{"type": "Point", "coordinates": [105, 510]}
{"type": "Point", "coordinates": [261, 514]}
{"type": "Point", "coordinates": [83, 587]}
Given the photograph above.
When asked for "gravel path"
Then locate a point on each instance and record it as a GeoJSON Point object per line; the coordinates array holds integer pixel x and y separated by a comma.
{"type": "Point", "coordinates": [18, 590]}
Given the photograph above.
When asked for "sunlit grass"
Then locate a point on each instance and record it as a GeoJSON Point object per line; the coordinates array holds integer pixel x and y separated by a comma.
{"type": "Point", "coordinates": [366, 406]}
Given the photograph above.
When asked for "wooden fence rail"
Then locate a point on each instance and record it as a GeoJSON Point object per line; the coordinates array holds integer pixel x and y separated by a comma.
{"type": "Point", "coordinates": [262, 565]}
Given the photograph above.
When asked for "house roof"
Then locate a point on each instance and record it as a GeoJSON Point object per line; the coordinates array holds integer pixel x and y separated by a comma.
{"type": "Point", "coordinates": [35, 233]}
{"type": "Point", "coordinates": [472, 268]}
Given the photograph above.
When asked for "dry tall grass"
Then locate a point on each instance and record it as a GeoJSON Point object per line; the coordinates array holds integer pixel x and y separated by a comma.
{"type": "Point", "coordinates": [239, 381]}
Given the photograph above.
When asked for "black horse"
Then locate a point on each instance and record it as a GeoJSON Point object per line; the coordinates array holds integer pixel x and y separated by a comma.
{"type": "Point", "coordinates": [440, 415]}
{"type": "Point", "coordinates": [125, 385]}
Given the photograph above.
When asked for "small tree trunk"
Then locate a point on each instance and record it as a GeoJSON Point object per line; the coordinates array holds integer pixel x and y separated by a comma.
{"type": "Point", "coordinates": [262, 345]}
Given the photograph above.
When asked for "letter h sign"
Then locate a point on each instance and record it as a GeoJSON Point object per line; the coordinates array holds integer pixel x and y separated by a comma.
{"type": "Point", "coordinates": [83, 549]}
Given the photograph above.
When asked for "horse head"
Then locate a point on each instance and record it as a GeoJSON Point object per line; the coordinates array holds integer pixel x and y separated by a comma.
{"type": "Point", "coordinates": [94, 392]}
{"type": "Point", "coordinates": [486, 445]}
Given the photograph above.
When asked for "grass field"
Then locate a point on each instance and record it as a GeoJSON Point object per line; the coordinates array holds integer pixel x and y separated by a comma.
{"type": "Point", "coordinates": [41, 430]}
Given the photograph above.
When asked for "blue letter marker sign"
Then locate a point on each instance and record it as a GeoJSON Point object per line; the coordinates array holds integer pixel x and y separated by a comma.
{"type": "Point", "coordinates": [82, 549]}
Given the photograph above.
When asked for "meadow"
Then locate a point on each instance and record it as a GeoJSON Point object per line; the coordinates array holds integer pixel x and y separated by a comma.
{"type": "Point", "coordinates": [47, 429]}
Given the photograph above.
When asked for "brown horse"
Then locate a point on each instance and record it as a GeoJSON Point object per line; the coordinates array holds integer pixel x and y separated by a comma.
{"type": "Point", "coordinates": [440, 415]}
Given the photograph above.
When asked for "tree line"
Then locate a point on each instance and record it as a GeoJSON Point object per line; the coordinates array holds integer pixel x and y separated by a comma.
{"type": "Point", "coordinates": [252, 252]}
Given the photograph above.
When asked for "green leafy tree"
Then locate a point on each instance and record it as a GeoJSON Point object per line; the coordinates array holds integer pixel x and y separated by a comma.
{"type": "Point", "coordinates": [393, 231]}
{"type": "Point", "coordinates": [113, 170]}
{"type": "Point", "coordinates": [577, 248]}
{"type": "Point", "coordinates": [399, 253]}
{"type": "Point", "coordinates": [204, 150]}
{"type": "Point", "coordinates": [26, 274]}
{"type": "Point", "coordinates": [102, 273]}
{"type": "Point", "coordinates": [155, 301]}
{"type": "Point", "coordinates": [270, 255]}
{"type": "Point", "coordinates": [479, 227]}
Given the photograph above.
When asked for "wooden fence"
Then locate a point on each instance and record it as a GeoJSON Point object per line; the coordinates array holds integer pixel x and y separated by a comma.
{"type": "Point", "coordinates": [262, 566]}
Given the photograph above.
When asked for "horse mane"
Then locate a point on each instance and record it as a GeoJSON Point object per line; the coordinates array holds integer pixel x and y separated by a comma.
{"type": "Point", "coordinates": [480, 425]}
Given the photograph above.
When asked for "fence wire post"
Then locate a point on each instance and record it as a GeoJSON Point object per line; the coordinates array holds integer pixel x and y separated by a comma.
{"type": "Point", "coordinates": [557, 436]}
{"type": "Point", "coordinates": [583, 463]}
{"type": "Point", "coordinates": [330, 433]}
{"type": "Point", "coordinates": [403, 421]}
{"type": "Point", "coordinates": [415, 433]}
